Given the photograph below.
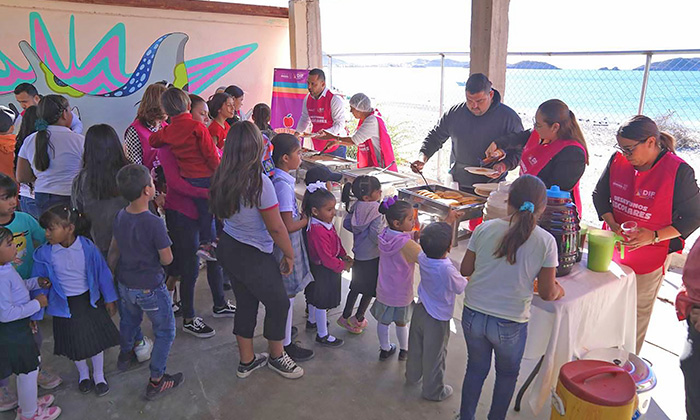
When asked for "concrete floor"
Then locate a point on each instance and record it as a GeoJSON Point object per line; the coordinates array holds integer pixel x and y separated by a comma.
{"type": "Point", "coordinates": [344, 383]}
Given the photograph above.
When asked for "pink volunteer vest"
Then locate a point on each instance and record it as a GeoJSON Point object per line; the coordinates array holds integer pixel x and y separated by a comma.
{"type": "Point", "coordinates": [321, 117]}
{"type": "Point", "coordinates": [366, 155]}
{"type": "Point", "coordinates": [646, 198]}
{"type": "Point", "coordinates": [536, 156]}
{"type": "Point", "coordinates": [150, 155]}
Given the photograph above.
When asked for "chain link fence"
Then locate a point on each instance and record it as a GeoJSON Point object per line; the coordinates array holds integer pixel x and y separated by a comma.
{"type": "Point", "coordinates": [601, 89]}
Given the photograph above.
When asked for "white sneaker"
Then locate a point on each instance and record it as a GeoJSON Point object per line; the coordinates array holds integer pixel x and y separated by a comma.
{"type": "Point", "coordinates": [143, 350]}
{"type": "Point", "coordinates": [42, 413]}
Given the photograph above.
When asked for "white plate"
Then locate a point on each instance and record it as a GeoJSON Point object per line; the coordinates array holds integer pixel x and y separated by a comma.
{"type": "Point", "coordinates": [476, 170]}
{"type": "Point", "coordinates": [481, 193]}
{"type": "Point", "coordinates": [493, 186]}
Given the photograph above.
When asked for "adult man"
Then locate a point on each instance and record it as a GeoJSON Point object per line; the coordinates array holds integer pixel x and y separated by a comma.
{"type": "Point", "coordinates": [324, 111]}
{"type": "Point", "coordinates": [472, 125]}
{"type": "Point", "coordinates": [27, 95]}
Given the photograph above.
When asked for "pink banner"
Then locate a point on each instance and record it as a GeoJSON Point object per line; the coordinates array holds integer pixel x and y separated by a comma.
{"type": "Point", "coordinates": [288, 93]}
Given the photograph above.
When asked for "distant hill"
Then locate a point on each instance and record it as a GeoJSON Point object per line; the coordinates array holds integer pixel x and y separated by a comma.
{"type": "Point", "coordinates": [421, 62]}
{"type": "Point", "coordinates": [533, 65]}
{"type": "Point", "coordinates": [337, 62]}
{"type": "Point", "coordinates": [675, 64]}
{"type": "Point", "coordinates": [607, 69]}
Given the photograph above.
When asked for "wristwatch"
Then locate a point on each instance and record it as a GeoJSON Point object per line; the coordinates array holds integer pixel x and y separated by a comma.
{"type": "Point", "coordinates": [656, 237]}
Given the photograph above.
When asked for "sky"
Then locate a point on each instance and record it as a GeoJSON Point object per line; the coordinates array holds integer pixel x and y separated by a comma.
{"type": "Point", "coordinates": [350, 26]}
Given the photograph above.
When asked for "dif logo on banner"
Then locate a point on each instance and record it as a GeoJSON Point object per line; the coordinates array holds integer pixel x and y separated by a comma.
{"type": "Point", "coordinates": [288, 92]}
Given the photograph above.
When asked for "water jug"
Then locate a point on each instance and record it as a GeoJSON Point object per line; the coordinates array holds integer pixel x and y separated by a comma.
{"type": "Point", "coordinates": [601, 245]}
{"type": "Point", "coordinates": [560, 218]}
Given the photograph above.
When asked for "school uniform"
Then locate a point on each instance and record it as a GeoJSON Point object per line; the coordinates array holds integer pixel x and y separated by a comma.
{"type": "Point", "coordinates": [325, 253]}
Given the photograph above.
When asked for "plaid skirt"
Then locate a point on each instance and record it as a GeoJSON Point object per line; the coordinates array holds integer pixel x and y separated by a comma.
{"type": "Point", "coordinates": [301, 272]}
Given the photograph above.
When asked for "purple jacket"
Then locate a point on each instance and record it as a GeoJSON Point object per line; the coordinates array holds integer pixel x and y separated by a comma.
{"type": "Point", "coordinates": [397, 257]}
{"type": "Point", "coordinates": [180, 193]}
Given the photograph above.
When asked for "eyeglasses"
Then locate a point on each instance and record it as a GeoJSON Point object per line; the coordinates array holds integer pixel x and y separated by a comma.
{"type": "Point", "coordinates": [627, 151]}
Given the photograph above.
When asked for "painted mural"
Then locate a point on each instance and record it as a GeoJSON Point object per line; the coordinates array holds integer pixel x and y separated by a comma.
{"type": "Point", "coordinates": [101, 82]}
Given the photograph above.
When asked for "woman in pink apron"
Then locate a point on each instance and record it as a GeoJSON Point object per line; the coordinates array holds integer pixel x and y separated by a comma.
{"type": "Point", "coordinates": [646, 182]}
{"type": "Point", "coordinates": [371, 137]}
{"type": "Point", "coordinates": [555, 151]}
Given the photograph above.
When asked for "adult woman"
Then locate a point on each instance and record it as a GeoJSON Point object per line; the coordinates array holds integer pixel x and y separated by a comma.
{"type": "Point", "coordinates": [150, 117]}
{"type": "Point", "coordinates": [51, 157]}
{"type": "Point", "coordinates": [237, 94]}
{"type": "Point", "coordinates": [244, 198]}
{"type": "Point", "coordinates": [27, 202]}
{"type": "Point", "coordinates": [555, 151]}
{"type": "Point", "coordinates": [371, 137]}
{"type": "Point", "coordinates": [181, 217]}
{"type": "Point", "coordinates": [646, 182]}
{"type": "Point", "coordinates": [95, 191]}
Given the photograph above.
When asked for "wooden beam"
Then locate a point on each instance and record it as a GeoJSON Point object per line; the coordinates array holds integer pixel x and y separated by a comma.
{"type": "Point", "coordinates": [197, 6]}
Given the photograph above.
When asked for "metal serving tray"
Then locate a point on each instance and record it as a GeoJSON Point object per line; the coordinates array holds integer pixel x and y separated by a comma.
{"type": "Point", "coordinates": [385, 178]}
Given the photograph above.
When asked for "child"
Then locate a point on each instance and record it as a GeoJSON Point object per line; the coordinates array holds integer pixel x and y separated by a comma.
{"type": "Point", "coordinates": [430, 324]}
{"type": "Point", "coordinates": [366, 223]}
{"type": "Point", "coordinates": [398, 253]}
{"type": "Point", "coordinates": [196, 155]}
{"type": "Point", "coordinates": [238, 95]}
{"type": "Point", "coordinates": [199, 109]}
{"type": "Point", "coordinates": [139, 250]}
{"type": "Point", "coordinates": [287, 156]}
{"type": "Point", "coordinates": [220, 109]}
{"type": "Point", "coordinates": [81, 296]}
{"type": "Point", "coordinates": [20, 354]}
{"type": "Point", "coordinates": [326, 255]}
{"type": "Point", "coordinates": [7, 141]}
{"type": "Point", "coordinates": [26, 235]}
{"type": "Point", "coordinates": [261, 118]}
{"type": "Point", "coordinates": [503, 259]}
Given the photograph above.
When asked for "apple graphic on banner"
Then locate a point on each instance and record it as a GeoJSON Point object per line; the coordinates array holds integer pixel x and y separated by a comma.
{"type": "Point", "coordinates": [288, 121]}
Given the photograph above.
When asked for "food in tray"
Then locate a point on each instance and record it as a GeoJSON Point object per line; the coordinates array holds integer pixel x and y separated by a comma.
{"type": "Point", "coordinates": [449, 198]}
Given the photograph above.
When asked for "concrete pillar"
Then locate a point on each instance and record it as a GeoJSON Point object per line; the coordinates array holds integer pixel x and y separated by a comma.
{"type": "Point", "coordinates": [305, 34]}
{"type": "Point", "coordinates": [489, 40]}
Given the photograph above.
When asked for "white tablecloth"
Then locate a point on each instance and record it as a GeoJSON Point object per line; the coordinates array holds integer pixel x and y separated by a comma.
{"type": "Point", "coordinates": [599, 310]}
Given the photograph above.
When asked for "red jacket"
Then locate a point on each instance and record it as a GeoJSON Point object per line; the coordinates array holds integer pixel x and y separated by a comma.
{"type": "Point", "coordinates": [191, 144]}
{"type": "Point", "coordinates": [325, 248]}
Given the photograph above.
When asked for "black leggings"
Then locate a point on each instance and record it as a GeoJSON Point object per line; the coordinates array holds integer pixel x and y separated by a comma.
{"type": "Point", "coordinates": [350, 303]}
{"type": "Point", "coordinates": [256, 278]}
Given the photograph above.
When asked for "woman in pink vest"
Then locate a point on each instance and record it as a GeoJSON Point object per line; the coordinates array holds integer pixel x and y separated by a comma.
{"type": "Point", "coordinates": [647, 183]}
{"type": "Point", "coordinates": [149, 118]}
{"type": "Point", "coordinates": [555, 151]}
{"type": "Point", "coordinates": [371, 137]}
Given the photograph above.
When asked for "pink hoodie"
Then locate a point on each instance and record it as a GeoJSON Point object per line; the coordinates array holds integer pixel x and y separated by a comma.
{"type": "Point", "coordinates": [397, 257]}
{"type": "Point", "coordinates": [689, 295]}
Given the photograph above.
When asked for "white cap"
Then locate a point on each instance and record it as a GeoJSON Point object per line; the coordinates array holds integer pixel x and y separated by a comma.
{"type": "Point", "coordinates": [361, 102]}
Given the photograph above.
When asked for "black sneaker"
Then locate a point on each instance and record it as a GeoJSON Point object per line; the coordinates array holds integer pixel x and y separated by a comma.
{"type": "Point", "coordinates": [166, 384]}
{"type": "Point", "coordinates": [198, 328]}
{"type": "Point", "coordinates": [298, 353]}
{"type": "Point", "coordinates": [311, 326]}
{"type": "Point", "coordinates": [285, 366]}
{"type": "Point", "coordinates": [325, 342]}
{"type": "Point", "coordinates": [101, 389]}
{"type": "Point", "coordinates": [385, 354]}
{"type": "Point", "coordinates": [403, 355]}
{"type": "Point", "coordinates": [86, 386]}
{"type": "Point", "coordinates": [226, 311]}
{"type": "Point", "coordinates": [244, 371]}
{"type": "Point", "coordinates": [126, 360]}
{"type": "Point", "coordinates": [295, 333]}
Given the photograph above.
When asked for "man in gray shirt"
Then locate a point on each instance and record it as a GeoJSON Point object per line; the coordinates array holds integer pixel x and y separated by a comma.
{"type": "Point", "coordinates": [472, 125]}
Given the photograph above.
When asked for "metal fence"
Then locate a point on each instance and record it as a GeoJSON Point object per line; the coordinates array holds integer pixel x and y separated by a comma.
{"type": "Point", "coordinates": [412, 90]}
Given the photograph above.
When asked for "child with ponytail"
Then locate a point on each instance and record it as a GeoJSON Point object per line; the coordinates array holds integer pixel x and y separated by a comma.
{"type": "Point", "coordinates": [366, 223]}
{"type": "Point", "coordinates": [503, 259]}
{"type": "Point", "coordinates": [81, 294]}
{"type": "Point", "coordinates": [327, 257]}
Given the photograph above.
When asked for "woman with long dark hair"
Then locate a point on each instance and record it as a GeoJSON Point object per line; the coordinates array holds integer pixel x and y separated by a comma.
{"type": "Point", "coordinates": [245, 199]}
{"type": "Point", "coordinates": [238, 95]}
{"type": "Point", "coordinates": [51, 157]}
{"type": "Point", "coordinates": [647, 183]}
{"type": "Point", "coordinates": [27, 203]}
{"type": "Point", "coordinates": [95, 191]}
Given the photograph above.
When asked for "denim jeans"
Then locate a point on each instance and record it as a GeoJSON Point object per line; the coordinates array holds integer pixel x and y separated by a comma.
{"type": "Point", "coordinates": [157, 305]}
{"type": "Point", "coordinates": [184, 234]}
{"type": "Point", "coordinates": [486, 335]}
{"type": "Point", "coordinates": [690, 365]}
{"type": "Point", "coordinates": [206, 219]}
{"type": "Point", "coordinates": [44, 201]}
{"type": "Point", "coordinates": [28, 205]}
